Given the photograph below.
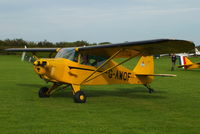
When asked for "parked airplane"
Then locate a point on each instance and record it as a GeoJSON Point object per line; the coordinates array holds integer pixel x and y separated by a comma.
{"type": "Point", "coordinates": [197, 52]}
{"type": "Point", "coordinates": [187, 64]}
{"type": "Point", "coordinates": [94, 65]}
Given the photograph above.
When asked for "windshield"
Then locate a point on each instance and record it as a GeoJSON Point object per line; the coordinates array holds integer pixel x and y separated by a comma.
{"type": "Point", "coordinates": [67, 53]}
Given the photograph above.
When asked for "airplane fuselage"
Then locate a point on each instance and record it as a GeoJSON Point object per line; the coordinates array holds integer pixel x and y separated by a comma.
{"type": "Point", "coordinates": [67, 71]}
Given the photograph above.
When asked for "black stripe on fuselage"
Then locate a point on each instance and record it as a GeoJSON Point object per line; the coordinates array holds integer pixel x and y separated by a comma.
{"type": "Point", "coordinates": [82, 68]}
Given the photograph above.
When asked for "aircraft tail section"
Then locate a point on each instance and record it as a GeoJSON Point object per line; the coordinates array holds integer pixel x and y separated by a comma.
{"type": "Point", "coordinates": [144, 69]}
{"type": "Point", "coordinates": [145, 65]}
{"type": "Point", "coordinates": [184, 61]}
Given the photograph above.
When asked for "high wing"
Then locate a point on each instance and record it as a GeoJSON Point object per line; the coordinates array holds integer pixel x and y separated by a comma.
{"type": "Point", "coordinates": [139, 48]}
{"type": "Point", "coordinates": [32, 49]}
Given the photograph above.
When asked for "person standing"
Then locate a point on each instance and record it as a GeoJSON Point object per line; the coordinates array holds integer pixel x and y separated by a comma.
{"type": "Point", "coordinates": [173, 61]}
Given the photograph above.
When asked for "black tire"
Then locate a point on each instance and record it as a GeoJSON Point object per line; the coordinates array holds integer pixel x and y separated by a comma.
{"type": "Point", "coordinates": [80, 97]}
{"type": "Point", "coordinates": [43, 92]}
{"type": "Point", "coordinates": [151, 90]}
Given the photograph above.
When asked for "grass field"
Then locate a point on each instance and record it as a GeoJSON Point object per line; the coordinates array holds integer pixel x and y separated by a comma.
{"type": "Point", "coordinates": [174, 108]}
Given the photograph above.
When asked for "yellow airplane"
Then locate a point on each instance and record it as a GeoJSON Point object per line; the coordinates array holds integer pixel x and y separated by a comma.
{"type": "Point", "coordinates": [94, 65]}
{"type": "Point", "coordinates": [187, 64]}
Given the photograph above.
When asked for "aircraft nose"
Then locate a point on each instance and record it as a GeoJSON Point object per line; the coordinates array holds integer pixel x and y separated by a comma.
{"type": "Point", "coordinates": [40, 70]}
{"type": "Point", "coordinates": [40, 63]}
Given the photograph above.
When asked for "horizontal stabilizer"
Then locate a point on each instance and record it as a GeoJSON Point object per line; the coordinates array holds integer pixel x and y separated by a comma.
{"type": "Point", "coordinates": [163, 75]}
{"type": "Point", "coordinates": [184, 66]}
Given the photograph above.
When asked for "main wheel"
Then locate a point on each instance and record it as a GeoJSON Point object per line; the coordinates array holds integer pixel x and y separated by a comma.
{"type": "Point", "coordinates": [43, 92]}
{"type": "Point", "coordinates": [151, 90]}
{"type": "Point", "coordinates": [80, 97]}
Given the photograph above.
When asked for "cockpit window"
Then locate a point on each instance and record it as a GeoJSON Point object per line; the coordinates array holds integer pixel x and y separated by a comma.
{"type": "Point", "coordinates": [67, 53]}
{"type": "Point", "coordinates": [71, 54]}
{"type": "Point", "coordinates": [92, 60]}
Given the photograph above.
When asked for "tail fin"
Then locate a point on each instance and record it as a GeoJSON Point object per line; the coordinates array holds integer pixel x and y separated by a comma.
{"type": "Point", "coordinates": [144, 70]}
{"type": "Point", "coordinates": [184, 61]}
{"type": "Point", "coordinates": [145, 65]}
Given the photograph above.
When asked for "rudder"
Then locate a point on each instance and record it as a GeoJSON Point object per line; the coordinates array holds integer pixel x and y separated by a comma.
{"type": "Point", "coordinates": [145, 65]}
{"type": "Point", "coordinates": [184, 61]}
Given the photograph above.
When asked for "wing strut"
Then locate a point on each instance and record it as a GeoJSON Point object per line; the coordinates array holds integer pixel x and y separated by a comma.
{"type": "Point", "coordinates": [102, 65]}
{"type": "Point", "coordinates": [35, 56]}
{"type": "Point", "coordinates": [87, 79]}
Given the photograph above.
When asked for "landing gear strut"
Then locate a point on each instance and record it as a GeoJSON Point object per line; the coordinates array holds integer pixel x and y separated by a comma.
{"type": "Point", "coordinates": [45, 92]}
{"type": "Point", "coordinates": [151, 90]}
{"type": "Point", "coordinates": [79, 96]}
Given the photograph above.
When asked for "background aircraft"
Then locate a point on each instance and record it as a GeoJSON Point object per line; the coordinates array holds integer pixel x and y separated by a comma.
{"type": "Point", "coordinates": [94, 65]}
{"type": "Point", "coordinates": [194, 53]}
{"type": "Point", "coordinates": [197, 52]}
{"type": "Point", "coordinates": [187, 64]}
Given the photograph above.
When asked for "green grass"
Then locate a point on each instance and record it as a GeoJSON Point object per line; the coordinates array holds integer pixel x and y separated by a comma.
{"type": "Point", "coordinates": [174, 108]}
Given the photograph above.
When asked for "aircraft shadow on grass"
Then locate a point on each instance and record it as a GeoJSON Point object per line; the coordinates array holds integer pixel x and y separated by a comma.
{"type": "Point", "coordinates": [135, 92]}
{"type": "Point", "coordinates": [194, 70]}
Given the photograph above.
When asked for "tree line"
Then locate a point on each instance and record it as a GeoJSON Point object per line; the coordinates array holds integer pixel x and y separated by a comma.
{"type": "Point", "coordinates": [20, 43]}
{"type": "Point", "coordinates": [7, 43]}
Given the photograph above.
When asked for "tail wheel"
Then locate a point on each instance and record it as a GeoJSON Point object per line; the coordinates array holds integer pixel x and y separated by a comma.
{"type": "Point", "coordinates": [80, 97]}
{"type": "Point", "coordinates": [43, 92]}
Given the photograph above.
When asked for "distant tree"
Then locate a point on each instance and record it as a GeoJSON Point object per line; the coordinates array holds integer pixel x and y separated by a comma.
{"type": "Point", "coordinates": [8, 43]}
{"type": "Point", "coordinates": [1, 43]}
{"type": "Point", "coordinates": [15, 42]}
{"type": "Point", "coordinates": [31, 44]}
{"type": "Point", "coordinates": [104, 43]}
{"type": "Point", "coordinates": [45, 43]}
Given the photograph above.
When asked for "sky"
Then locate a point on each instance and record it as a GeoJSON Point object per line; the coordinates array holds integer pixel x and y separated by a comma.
{"type": "Point", "coordinates": [98, 21]}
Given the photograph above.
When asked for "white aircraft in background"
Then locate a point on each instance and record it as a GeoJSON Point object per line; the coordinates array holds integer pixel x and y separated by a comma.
{"type": "Point", "coordinates": [197, 52]}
